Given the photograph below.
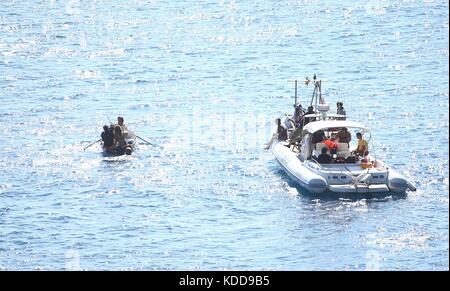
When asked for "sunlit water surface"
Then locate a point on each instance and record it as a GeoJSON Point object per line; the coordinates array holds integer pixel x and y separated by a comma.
{"type": "Point", "coordinates": [204, 80]}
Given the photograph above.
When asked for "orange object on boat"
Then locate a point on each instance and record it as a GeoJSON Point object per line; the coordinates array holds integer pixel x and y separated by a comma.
{"type": "Point", "coordinates": [366, 165]}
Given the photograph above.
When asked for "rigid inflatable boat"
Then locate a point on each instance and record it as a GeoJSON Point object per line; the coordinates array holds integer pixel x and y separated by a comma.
{"type": "Point", "coordinates": [321, 152]}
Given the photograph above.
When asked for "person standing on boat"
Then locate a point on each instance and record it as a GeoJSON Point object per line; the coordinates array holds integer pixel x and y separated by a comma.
{"type": "Point", "coordinates": [298, 114]}
{"type": "Point", "coordinates": [309, 119]}
{"type": "Point", "coordinates": [340, 110]}
{"type": "Point", "coordinates": [363, 146]}
{"type": "Point", "coordinates": [297, 121]}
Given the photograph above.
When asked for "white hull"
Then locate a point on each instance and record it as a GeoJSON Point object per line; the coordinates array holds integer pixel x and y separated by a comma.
{"type": "Point", "coordinates": [295, 169]}
{"type": "Point", "coordinates": [339, 178]}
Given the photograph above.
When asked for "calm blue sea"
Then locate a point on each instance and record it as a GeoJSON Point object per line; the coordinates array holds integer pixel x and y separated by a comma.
{"type": "Point", "coordinates": [204, 81]}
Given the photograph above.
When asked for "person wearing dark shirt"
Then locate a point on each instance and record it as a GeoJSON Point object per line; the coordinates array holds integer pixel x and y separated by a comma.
{"type": "Point", "coordinates": [107, 137]}
{"type": "Point", "coordinates": [324, 158]}
{"type": "Point", "coordinates": [309, 119]}
{"type": "Point", "coordinates": [344, 135]}
{"type": "Point", "coordinates": [318, 136]}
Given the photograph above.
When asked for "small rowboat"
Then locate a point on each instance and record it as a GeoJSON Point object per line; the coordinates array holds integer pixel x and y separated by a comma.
{"type": "Point", "coordinates": [124, 142]}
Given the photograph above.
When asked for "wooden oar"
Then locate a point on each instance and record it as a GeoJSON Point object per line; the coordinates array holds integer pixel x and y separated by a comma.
{"type": "Point", "coordinates": [146, 141]}
{"type": "Point", "coordinates": [92, 144]}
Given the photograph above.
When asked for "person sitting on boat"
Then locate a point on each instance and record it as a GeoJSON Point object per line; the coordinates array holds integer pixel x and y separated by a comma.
{"type": "Point", "coordinates": [122, 144]}
{"type": "Point", "coordinates": [295, 137]}
{"type": "Point", "coordinates": [340, 110]}
{"type": "Point", "coordinates": [324, 157]}
{"type": "Point", "coordinates": [318, 136]}
{"type": "Point", "coordinates": [119, 137]}
{"type": "Point", "coordinates": [108, 137]}
{"type": "Point", "coordinates": [309, 119]}
{"type": "Point", "coordinates": [363, 146]}
{"type": "Point", "coordinates": [281, 131]}
{"type": "Point", "coordinates": [344, 135]}
{"type": "Point", "coordinates": [331, 145]}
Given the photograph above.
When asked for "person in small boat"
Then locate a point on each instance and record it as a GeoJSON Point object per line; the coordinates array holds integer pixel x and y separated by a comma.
{"type": "Point", "coordinates": [340, 110]}
{"type": "Point", "coordinates": [123, 126]}
{"type": "Point", "coordinates": [121, 145]}
{"type": "Point", "coordinates": [363, 146]}
{"type": "Point", "coordinates": [108, 137]}
{"type": "Point", "coordinates": [119, 137]}
{"type": "Point", "coordinates": [120, 122]}
{"type": "Point", "coordinates": [281, 131]}
{"type": "Point", "coordinates": [324, 157]}
{"type": "Point", "coordinates": [344, 135]}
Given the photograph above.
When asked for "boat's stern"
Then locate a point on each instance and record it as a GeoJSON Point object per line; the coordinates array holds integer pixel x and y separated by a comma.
{"type": "Point", "coordinates": [352, 178]}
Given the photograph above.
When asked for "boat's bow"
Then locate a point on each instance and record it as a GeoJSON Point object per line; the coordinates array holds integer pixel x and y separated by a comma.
{"type": "Point", "coordinates": [296, 170]}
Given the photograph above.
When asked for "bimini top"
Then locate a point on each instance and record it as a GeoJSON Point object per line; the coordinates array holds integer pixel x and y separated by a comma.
{"type": "Point", "coordinates": [325, 124]}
